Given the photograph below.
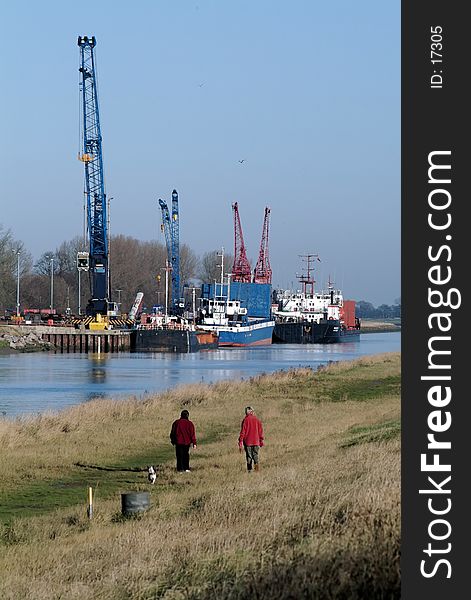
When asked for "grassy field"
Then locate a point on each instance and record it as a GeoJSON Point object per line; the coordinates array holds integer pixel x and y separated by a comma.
{"type": "Point", "coordinates": [320, 520]}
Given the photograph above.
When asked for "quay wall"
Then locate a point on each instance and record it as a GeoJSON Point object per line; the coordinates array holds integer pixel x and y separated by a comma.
{"type": "Point", "coordinates": [70, 339]}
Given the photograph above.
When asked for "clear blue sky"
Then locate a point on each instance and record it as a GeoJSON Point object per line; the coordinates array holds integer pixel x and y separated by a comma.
{"type": "Point", "coordinates": [306, 92]}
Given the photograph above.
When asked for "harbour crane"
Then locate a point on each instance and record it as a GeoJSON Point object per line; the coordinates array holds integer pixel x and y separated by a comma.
{"type": "Point", "coordinates": [171, 229]}
{"type": "Point", "coordinates": [262, 272]}
{"type": "Point", "coordinates": [241, 271]}
{"type": "Point", "coordinates": [96, 260]}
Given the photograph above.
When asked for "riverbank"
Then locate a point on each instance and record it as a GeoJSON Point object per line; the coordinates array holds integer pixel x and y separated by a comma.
{"type": "Point", "coordinates": [14, 339]}
{"type": "Point", "coordinates": [320, 520]}
{"type": "Point", "coordinates": [378, 326]}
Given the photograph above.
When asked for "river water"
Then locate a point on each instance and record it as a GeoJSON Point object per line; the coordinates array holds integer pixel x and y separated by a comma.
{"type": "Point", "coordinates": [38, 382]}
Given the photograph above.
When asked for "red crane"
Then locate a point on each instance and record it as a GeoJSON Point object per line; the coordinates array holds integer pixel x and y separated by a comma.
{"type": "Point", "coordinates": [241, 268]}
{"type": "Point", "coordinates": [262, 271]}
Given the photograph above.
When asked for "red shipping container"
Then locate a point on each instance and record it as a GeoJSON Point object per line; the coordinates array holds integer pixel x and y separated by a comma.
{"type": "Point", "coordinates": [349, 313]}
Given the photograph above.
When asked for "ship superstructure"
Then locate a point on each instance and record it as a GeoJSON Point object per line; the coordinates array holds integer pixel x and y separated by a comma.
{"type": "Point", "coordinates": [307, 316]}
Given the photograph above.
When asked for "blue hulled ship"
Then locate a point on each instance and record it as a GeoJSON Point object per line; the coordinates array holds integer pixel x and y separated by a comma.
{"type": "Point", "coordinates": [240, 313]}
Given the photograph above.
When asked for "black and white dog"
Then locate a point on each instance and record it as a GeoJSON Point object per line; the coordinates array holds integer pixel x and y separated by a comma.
{"type": "Point", "coordinates": [151, 474]}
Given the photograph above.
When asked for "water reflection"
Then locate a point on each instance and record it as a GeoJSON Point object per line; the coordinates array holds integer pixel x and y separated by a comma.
{"type": "Point", "coordinates": [32, 383]}
{"type": "Point", "coordinates": [97, 372]}
{"type": "Point", "coordinates": [96, 396]}
{"type": "Point", "coordinates": [97, 375]}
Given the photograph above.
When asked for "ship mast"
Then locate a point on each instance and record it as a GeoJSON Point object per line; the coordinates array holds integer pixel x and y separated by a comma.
{"type": "Point", "coordinates": [221, 255]}
{"type": "Point", "coordinates": [307, 279]}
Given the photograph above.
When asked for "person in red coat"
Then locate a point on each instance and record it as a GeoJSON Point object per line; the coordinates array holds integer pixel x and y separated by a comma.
{"type": "Point", "coordinates": [251, 438]}
{"type": "Point", "coordinates": [182, 436]}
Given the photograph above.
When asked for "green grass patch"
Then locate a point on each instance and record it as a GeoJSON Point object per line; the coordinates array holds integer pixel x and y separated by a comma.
{"type": "Point", "coordinates": [379, 432]}
{"type": "Point", "coordinates": [37, 497]}
{"type": "Point", "coordinates": [326, 387]}
{"type": "Point", "coordinates": [362, 390]}
{"type": "Point", "coordinates": [358, 381]}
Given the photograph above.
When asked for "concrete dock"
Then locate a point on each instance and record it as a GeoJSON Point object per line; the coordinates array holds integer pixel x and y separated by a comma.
{"type": "Point", "coordinates": [70, 339]}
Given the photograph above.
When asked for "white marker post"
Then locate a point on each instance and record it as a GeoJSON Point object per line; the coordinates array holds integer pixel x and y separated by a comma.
{"type": "Point", "coordinates": [90, 503]}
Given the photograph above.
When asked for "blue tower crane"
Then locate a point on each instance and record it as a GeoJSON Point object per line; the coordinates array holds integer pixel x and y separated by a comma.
{"type": "Point", "coordinates": [166, 228]}
{"type": "Point", "coordinates": [175, 248]}
{"type": "Point", "coordinates": [92, 157]}
{"type": "Point", "coordinates": [171, 229]}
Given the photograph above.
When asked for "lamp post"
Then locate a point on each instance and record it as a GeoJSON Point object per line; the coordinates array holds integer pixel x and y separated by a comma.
{"type": "Point", "coordinates": [109, 246]}
{"type": "Point", "coordinates": [119, 299]}
{"type": "Point", "coordinates": [193, 298]}
{"type": "Point", "coordinates": [82, 265]}
{"type": "Point", "coordinates": [229, 275]}
{"type": "Point", "coordinates": [79, 293]}
{"type": "Point", "coordinates": [52, 284]}
{"type": "Point", "coordinates": [18, 252]}
{"type": "Point", "coordinates": [167, 269]}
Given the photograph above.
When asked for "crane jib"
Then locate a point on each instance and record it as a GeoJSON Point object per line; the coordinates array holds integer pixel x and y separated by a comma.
{"type": "Point", "coordinates": [92, 158]}
{"type": "Point", "coordinates": [170, 227]}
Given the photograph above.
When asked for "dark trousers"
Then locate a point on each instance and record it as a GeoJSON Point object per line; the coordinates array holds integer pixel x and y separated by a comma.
{"type": "Point", "coordinates": [251, 455]}
{"type": "Point", "coordinates": [183, 457]}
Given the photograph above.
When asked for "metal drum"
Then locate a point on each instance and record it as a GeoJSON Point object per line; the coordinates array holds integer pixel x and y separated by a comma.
{"type": "Point", "coordinates": [134, 502]}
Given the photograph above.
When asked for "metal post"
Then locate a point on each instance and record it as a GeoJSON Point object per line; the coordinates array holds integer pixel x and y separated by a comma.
{"type": "Point", "coordinates": [119, 299]}
{"type": "Point", "coordinates": [18, 283]}
{"type": "Point", "coordinates": [90, 503]}
{"type": "Point", "coordinates": [166, 289]}
{"type": "Point", "coordinates": [79, 293]}
{"type": "Point", "coordinates": [194, 305]}
{"type": "Point", "coordinates": [221, 254]}
{"type": "Point", "coordinates": [52, 284]}
{"type": "Point", "coordinates": [229, 275]}
{"type": "Point", "coordinates": [109, 247]}
{"type": "Point", "coordinates": [167, 269]}
{"type": "Point", "coordinates": [222, 271]}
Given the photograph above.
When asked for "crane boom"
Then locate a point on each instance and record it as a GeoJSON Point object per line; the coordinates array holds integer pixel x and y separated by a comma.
{"type": "Point", "coordinates": [166, 227]}
{"type": "Point", "coordinates": [262, 272]}
{"type": "Point", "coordinates": [175, 250]}
{"type": "Point", "coordinates": [241, 268]}
{"type": "Point", "coordinates": [171, 229]}
{"type": "Point", "coordinates": [92, 157]}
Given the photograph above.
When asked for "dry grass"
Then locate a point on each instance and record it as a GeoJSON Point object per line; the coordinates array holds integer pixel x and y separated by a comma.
{"type": "Point", "coordinates": [320, 520]}
{"type": "Point", "coordinates": [378, 326]}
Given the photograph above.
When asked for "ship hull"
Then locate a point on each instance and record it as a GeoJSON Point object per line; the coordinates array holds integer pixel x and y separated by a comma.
{"type": "Point", "coordinates": [305, 332]}
{"type": "Point", "coordinates": [172, 340]}
{"type": "Point", "coordinates": [257, 334]}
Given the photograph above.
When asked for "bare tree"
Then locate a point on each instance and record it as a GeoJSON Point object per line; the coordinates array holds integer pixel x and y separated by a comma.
{"type": "Point", "coordinates": [66, 256]}
{"type": "Point", "coordinates": [9, 249]}
{"type": "Point", "coordinates": [137, 267]}
{"type": "Point", "coordinates": [210, 266]}
{"type": "Point", "coordinates": [43, 264]}
{"type": "Point", "coordinates": [188, 264]}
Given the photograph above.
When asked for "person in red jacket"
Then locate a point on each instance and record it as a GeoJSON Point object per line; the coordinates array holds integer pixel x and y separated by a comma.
{"type": "Point", "coordinates": [182, 436]}
{"type": "Point", "coordinates": [251, 438]}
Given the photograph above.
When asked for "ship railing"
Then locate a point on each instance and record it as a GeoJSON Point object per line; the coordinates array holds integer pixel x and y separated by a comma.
{"type": "Point", "coordinates": [167, 326]}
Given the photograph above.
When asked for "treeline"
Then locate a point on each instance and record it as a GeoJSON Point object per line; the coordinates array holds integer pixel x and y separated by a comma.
{"type": "Point", "coordinates": [135, 266]}
{"type": "Point", "coordinates": [365, 310]}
